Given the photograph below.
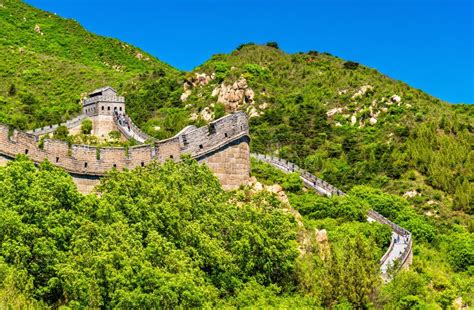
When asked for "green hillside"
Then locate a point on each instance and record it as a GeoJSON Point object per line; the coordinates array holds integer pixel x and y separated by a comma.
{"type": "Point", "coordinates": [48, 62]}
{"type": "Point", "coordinates": [343, 121]}
{"type": "Point", "coordinates": [167, 235]}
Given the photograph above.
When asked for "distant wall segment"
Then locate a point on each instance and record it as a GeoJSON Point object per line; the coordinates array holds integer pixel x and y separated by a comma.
{"type": "Point", "coordinates": [223, 145]}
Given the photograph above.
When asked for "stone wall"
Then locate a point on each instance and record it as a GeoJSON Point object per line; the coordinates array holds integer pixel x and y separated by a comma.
{"type": "Point", "coordinates": [102, 125]}
{"type": "Point", "coordinates": [85, 184]}
{"type": "Point", "coordinates": [230, 163]}
{"type": "Point", "coordinates": [3, 161]}
{"type": "Point", "coordinates": [103, 105]}
{"type": "Point", "coordinates": [223, 145]}
{"type": "Point", "coordinates": [73, 123]}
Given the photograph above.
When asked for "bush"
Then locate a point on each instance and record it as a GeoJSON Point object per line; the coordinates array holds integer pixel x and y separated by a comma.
{"type": "Point", "coordinates": [114, 135]}
{"type": "Point", "coordinates": [86, 126]}
{"type": "Point", "coordinates": [12, 90]}
{"type": "Point", "coordinates": [61, 133]}
{"type": "Point", "coordinates": [461, 251]}
{"type": "Point", "coordinates": [351, 65]}
{"type": "Point", "coordinates": [243, 45]}
{"type": "Point", "coordinates": [255, 70]}
{"type": "Point", "coordinates": [273, 44]}
{"type": "Point", "coordinates": [219, 110]}
{"type": "Point", "coordinates": [221, 68]}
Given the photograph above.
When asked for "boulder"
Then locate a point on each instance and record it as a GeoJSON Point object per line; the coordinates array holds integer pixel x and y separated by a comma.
{"type": "Point", "coordinates": [258, 186]}
{"type": "Point", "coordinates": [333, 111]}
{"type": "Point", "coordinates": [411, 194]}
{"type": "Point", "coordinates": [185, 95]}
{"type": "Point", "coordinates": [275, 188]}
{"type": "Point", "coordinates": [322, 236]}
{"type": "Point", "coordinates": [235, 95]}
{"type": "Point", "coordinates": [216, 91]}
{"type": "Point", "coordinates": [362, 91]}
{"type": "Point", "coordinates": [207, 114]}
{"type": "Point", "coordinates": [395, 99]}
{"type": "Point", "coordinates": [353, 120]}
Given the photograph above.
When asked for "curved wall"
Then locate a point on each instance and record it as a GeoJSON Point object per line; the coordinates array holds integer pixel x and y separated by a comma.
{"type": "Point", "coordinates": [215, 144]}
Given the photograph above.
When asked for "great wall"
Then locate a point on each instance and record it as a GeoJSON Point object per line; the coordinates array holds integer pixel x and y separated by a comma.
{"type": "Point", "coordinates": [223, 145]}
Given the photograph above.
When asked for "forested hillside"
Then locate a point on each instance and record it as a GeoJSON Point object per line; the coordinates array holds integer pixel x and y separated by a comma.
{"type": "Point", "coordinates": [352, 126]}
{"type": "Point", "coordinates": [345, 122]}
{"type": "Point", "coordinates": [168, 235]}
{"type": "Point", "coordinates": [47, 63]}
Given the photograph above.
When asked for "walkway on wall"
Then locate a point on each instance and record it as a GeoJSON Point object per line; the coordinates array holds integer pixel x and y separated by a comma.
{"type": "Point", "coordinates": [399, 251]}
{"type": "Point", "coordinates": [129, 129]}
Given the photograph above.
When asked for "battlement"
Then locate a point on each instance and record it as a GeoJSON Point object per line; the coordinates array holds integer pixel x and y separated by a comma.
{"type": "Point", "coordinates": [201, 143]}
{"type": "Point", "coordinates": [117, 99]}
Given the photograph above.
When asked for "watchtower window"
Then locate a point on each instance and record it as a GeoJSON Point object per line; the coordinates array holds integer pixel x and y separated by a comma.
{"type": "Point", "coordinates": [143, 164]}
{"type": "Point", "coordinates": [57, 159]}
{"type": "Point", "coordinates": [200, 146]}
{"type": "Point", "coordinates": [225, 134]}
{"type": "Point", "coordinates": [171, 156]}
{"type": "Point", "coordinates": [120, 108]}
{"type": "Point", "coordinates": [185, 140]}
{"type": "Point", "coordinates": [85, 165]}
{"type": "Point", "coordinates": [102, 108]}
{"type": "Point", "coordinates": [108, 108]}
{"type": "Point", "coordinates": [212, 129]}
{"type": "Point", "coordinates": [26, 152]}
{"type": "Point", "coordinates": [115, 108]}
{"type": "Point", "coordinates": [115, 165]}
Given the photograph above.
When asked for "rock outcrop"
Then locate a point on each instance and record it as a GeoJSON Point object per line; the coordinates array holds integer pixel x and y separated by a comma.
{"type": "Point", "coordinates": [362, 91]}
{"type": "Point", "coordinates": [38, 29]}
{"type": "Point", "coordinates": [235, 95]}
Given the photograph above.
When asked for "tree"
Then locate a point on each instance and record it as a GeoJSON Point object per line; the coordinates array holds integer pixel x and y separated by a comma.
{"type": "Point", "coordinates": [12, 90]}
{"type": "Point", "coordinates": [351, 65]}
{"type": "Point", "coordinates": [461, 251]}
{"type": "Point", "coordinates": [61, 133]}
{"type": "Point", "coordinates": [273, 44]}
{"type": "Point", "coordinates": [352, 274]}
{"type": "Point", "coordinates": [86, 126]}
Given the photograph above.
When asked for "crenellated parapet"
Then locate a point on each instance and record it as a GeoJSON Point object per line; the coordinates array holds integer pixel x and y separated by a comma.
{"type": "Point", "coordinates": [200, 143]}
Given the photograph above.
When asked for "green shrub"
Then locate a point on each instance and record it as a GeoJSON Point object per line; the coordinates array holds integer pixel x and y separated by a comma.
{"type": "Point", "coordinates": [351, 65]}
{"type": "Point", "coordinates": [273, 44]}
{"type": "Point", "coordinates": [86, 126]}
{"type": "Point", "coordinates": [61, 133]}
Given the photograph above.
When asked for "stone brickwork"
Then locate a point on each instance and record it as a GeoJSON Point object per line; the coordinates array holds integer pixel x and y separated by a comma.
{"type": "Point", "coordinates": [3, 161]}
{"type": "Point", "coordinates": [103, 101]}
{"type": "Point", "coordinates": [230, 164]}
{"type": "Point", "coordinates": [228, 135]}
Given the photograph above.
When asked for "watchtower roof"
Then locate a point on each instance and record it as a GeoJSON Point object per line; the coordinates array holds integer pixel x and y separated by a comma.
{"type": "Point", "coordinates": [99, 91]}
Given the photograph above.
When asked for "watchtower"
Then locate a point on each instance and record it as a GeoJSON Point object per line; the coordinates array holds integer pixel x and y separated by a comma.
{"type": "Point", "coordinates": [103, 101]}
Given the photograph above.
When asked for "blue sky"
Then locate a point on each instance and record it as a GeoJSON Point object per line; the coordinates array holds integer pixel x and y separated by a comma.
{"type": "Point", "coordinates": [427, 43]}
